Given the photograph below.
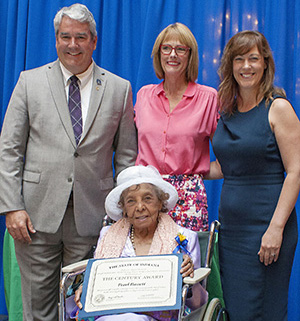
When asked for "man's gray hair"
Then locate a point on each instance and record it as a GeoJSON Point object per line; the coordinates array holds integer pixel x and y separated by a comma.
{"type": "Point", "coordinates": [77, 12]}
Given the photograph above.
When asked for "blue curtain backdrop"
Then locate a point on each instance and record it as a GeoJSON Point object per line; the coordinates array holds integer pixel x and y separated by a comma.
{"type": "Point", "coordinates": [126, 33]}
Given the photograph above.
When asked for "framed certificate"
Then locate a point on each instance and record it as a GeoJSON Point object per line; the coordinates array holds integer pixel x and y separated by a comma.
{"type": "Point", "coordinates": [133, 284]}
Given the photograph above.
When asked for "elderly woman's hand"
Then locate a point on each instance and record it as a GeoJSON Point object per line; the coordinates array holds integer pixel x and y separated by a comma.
{"type": "Point", "coordinates": [187, 266]}
{"type": "Point", "coordinates": [77, 297]}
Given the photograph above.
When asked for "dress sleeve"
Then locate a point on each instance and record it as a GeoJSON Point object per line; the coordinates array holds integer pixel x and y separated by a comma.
{"type": "Point", "coordinates": [193, 246]}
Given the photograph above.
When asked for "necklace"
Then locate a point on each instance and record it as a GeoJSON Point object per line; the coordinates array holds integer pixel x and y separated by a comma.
{"type": "Point", "coordinates": [132, 237]}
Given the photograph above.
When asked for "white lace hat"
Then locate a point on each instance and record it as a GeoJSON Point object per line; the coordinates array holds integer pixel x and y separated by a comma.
{"type": "Point", "coordinates": [137, 175]}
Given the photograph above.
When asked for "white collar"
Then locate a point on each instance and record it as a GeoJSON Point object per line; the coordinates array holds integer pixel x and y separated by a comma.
{"type": "Point", "coordinates": [83, 77]}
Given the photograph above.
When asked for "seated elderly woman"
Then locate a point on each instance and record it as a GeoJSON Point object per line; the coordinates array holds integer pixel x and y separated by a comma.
{"type": "Point", "coordinates": [139, 204]}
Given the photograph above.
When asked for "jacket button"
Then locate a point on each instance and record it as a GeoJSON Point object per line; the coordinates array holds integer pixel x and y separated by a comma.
{"type": "Point", "coordinates": [70, 180]}
{"type": "Point", "coordinates": [76, 154]}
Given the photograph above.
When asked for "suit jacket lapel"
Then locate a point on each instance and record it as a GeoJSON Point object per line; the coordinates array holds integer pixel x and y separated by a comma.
{"type": "Point", "coordinates": [56, 84]}
{"type": "Point", "coordinates": [98, 87]}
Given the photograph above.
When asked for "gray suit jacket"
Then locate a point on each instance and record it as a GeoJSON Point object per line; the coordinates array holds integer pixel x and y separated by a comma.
{"type": "Point", "coordinates": [40, 163]}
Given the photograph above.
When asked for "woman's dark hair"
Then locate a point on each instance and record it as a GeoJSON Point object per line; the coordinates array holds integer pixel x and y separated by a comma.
{"type": "Point", "coordinates": [240, 44]}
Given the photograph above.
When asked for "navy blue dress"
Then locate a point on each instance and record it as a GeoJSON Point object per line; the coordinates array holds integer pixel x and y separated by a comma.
{"type": "Point", "coordinates": [253, 172]}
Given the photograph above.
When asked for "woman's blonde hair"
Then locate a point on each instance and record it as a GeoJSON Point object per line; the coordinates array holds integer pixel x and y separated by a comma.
{"type": "Point", "coordinates": [240, 44]}
{"type": "Point", "coordinates": [185, 36]}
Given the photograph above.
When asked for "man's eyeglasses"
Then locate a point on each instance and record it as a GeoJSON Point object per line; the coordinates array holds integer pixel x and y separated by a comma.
{"type": "Point", "coordinates": [179, 50]}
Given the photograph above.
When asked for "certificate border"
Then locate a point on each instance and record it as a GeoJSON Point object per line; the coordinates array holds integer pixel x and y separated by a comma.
{"type": "Point", "coordinates": [83, 314]}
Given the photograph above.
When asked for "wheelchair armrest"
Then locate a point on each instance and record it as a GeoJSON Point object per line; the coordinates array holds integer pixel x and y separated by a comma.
{"type": "Point", "coordinates": [75, 267]}
{"type": "Point", "coordinates": [199, 275]}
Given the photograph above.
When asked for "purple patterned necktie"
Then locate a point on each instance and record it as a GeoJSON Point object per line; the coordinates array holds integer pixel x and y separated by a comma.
{"type": "Point", "coordinates": [75, 108]}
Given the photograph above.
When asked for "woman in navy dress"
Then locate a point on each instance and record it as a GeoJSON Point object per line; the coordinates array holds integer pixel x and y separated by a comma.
{"type": "Point", "coordinates": [257, 145]}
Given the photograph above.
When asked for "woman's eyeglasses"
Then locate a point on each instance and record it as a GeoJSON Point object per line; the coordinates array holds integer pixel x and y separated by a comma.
{"type": "Point", "coordinates": [179, 50]}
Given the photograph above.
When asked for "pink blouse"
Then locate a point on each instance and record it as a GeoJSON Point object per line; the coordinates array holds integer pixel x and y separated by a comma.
{"type": "Point", "coordinates": [176, 142]}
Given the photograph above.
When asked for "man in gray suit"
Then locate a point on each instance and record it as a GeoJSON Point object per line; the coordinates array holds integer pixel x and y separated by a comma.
{"type": "Point", "coordinates": [53, 186]}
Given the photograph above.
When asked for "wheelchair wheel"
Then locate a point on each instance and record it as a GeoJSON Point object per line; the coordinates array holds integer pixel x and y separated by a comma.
{"type": "Point", "coordinates": [215, 311]}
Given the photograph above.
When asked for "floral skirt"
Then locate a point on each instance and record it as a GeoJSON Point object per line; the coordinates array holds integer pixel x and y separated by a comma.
{"type": "Point", "coordinates": [191, 208]}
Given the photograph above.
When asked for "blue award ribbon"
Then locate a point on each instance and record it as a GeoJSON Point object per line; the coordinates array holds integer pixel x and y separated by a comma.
{"type": "Point", "coordinates": [182, 244]}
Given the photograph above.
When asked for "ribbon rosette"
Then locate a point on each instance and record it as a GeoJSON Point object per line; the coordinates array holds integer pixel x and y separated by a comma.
{"type": "Point", "coordinates": [182, 244]}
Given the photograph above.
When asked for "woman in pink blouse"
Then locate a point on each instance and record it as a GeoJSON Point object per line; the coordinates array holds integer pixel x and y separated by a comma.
{"type": "Point", "coordinates": [175, 121]}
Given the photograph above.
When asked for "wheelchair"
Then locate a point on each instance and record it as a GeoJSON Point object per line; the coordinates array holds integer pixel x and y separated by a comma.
{"type": "Point", "coordinates": [213, 310]}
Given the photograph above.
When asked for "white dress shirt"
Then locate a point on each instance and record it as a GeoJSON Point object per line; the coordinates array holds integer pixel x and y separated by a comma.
{"type": "Point", "coordinates": [85, 85]}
